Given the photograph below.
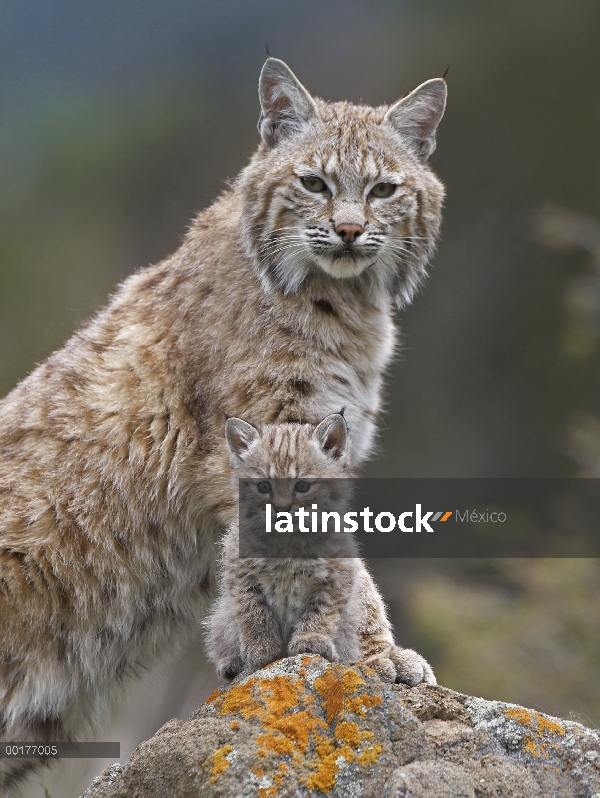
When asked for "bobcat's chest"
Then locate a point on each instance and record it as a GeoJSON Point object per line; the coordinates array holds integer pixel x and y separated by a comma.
{"type": "Point", "coordinates": [349, 375]}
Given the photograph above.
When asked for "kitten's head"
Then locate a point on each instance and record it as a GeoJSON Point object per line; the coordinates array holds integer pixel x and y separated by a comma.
{"type": "Point", "coordinates": [341, 189]}
{"type": "Point", "coordinates": [288, 451]}
{"type": "Point", "coordinates": [285, 458]}
{"type": "Point", "coordinates": [289, 466]}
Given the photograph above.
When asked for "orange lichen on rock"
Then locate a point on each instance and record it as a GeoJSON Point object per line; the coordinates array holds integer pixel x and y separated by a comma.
{"type": "Point", "coordinates": [360, 703]}
{"type": "Point", "coordinates": [287, 727]}
{"type": "Point", "coordinates": [329, 687]}
{"type": "Point", "coordinates": [218, 762]}
{"type": "Point", "coordinates": [240, 698]}
{"type": "Point", "coordinates": [213, 696]}
{"type": "Point", "coordinates": [547, 725]}
{"type": "Point", "coordinates": [323, 778]}
{"type": "Point", "coordinates": [335, 688]}
{"type": "Point", "coordinates": [533, 747]}
{"type": "Point", "coordinates": [520, 715]}
{"type": "Point", "coordinates": [335, 684]}
{"type": "Point", "coordinates": [276, 743]}
{"type": "Point", "coordinates": [326, 763]}
{"type": "Point", "coordinates": [535, 721]}
{"type": "Point", "coordinates": [280, 773]}
{"type": "Point", "coordinates": [351, 681]}
{"type": "Point", "coordinates": [538, 724]}
{"type": "Point", "coordinates": [348, 732]}
{"type": "Point", "coordinates": [296, 727]}
{"type": "Point", "coordinates": [281, 693]}
{"type": "Point", "coordinates": [306, 660]}
{"type": "Point", "coordinates": [370, 755]}
{"type": "Point", "coordinates": [304, 726]}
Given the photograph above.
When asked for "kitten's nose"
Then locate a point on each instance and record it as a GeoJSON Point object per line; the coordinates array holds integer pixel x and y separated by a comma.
{"type": "Point", "coordinates": [349, 232]}
{"type": "Point", "coordinates": [282, 508]}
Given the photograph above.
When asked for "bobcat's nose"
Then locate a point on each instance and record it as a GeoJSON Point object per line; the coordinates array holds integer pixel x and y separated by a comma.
{"type": "Point", "coordinates": [349, 232]}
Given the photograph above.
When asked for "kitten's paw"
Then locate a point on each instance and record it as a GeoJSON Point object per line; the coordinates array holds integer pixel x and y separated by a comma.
{"type": "Point", "coordinates": [260, 654]}
{"type": "Point", "coordinates": [383, 667]}
{"type": "Point", "coordinates": [229, 667]}
{"type": "Point", "coordinates": [313, 644]}
{"type": "Point", "coordinates": [411, 668]}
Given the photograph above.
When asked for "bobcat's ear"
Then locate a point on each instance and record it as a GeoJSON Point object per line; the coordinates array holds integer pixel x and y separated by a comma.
{"type": "Point", "coordinates": [417, 115]}
{"type": "Point", "coordinates": [332, 434]}
{"type": "Point", "coordinates": [285, 103]}
{"type": "Point", "coordinates": [240, 436]}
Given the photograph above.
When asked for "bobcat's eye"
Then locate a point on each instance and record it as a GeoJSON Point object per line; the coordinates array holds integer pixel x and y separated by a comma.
{"type": "Point", "coordinates": [313, 183]}
{"type": "Point", "coordinates": [263, 486]}
{"type": "Point", "coordinates": [302, 487]}
{"type": "Point", "coordinates": [383, 190]}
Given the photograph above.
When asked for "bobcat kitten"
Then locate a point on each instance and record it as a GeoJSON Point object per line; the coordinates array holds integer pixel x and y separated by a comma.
{"type": "Point", "coordinates": [270, 608]}
{"type": "Point", "coordinates": [278, 306]}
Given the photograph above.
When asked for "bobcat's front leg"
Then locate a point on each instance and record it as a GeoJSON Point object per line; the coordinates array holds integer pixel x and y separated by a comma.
{"type": "Point", "coordinates": [260, 636]}
{"type": "Point", "coordinates": [411, 668]}
{"type": "Point", "coordinates": [316, 630]}
{"type": "Point", "coordinates": [391, 662]}
{"type": "Point", "coordinates": [223, 640]}
{"type": "Point", "coordinates": [314, 635]}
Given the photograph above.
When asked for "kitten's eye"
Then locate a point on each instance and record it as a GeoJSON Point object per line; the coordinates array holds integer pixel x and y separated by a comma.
{"type": "Point", "coordinates": [383, 190]}
{"type": "Point", "coordinates": [313, 183]}
{"type": "Point", "coordinates": [302, 487]}
{"type": "Point", "coordinates": [264, 486]}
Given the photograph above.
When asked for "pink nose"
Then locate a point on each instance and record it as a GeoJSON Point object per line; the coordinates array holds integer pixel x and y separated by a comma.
{"type": "Point", "coordinates": [349, 232]}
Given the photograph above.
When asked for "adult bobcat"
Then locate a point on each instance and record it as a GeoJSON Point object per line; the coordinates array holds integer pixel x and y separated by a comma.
{"type": "Point", "coordinates": [283, 599]}
{"type": "Point", "coordinates": [278, 306]}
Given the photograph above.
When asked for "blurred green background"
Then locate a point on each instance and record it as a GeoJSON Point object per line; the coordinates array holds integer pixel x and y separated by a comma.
{"type": "Point", "coordinates": [120, 120]}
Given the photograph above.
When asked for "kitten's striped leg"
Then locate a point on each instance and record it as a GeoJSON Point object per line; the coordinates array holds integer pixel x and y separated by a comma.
{"type": "Point", "coordinates": [392, 663]}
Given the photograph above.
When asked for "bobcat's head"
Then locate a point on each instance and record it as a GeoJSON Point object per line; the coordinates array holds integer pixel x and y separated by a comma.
{"type": "Point", "coordinates": [341, 189]}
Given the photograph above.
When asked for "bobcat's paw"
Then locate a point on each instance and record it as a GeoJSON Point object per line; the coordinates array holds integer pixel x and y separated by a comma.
{"type": "Point", "coordinates": [411, 668]}
{"type": "Point", "coordinates": [313, 644]}
{"type": "Point", "coordinates": [228, 668]}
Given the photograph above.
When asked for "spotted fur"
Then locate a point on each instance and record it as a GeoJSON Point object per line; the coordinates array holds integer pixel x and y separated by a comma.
{"type": "Point", "coordinates": [113, 469]}
{"type": "Point", "coordinates": [272, 606]}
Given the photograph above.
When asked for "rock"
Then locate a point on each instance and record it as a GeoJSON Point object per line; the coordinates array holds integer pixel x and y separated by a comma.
{"type": "Point", "coordinates": [304, 727]}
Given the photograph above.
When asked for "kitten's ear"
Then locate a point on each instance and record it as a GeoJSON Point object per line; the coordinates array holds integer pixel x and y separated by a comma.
{"type": "Point", "coordinates": [417, 115]}
{"type": "Point", "coordinates": [240, 436]}
{"type": "Point", "coordinates": [332, 434]}
{"type": "Point", "coordinates": [286, 105]}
